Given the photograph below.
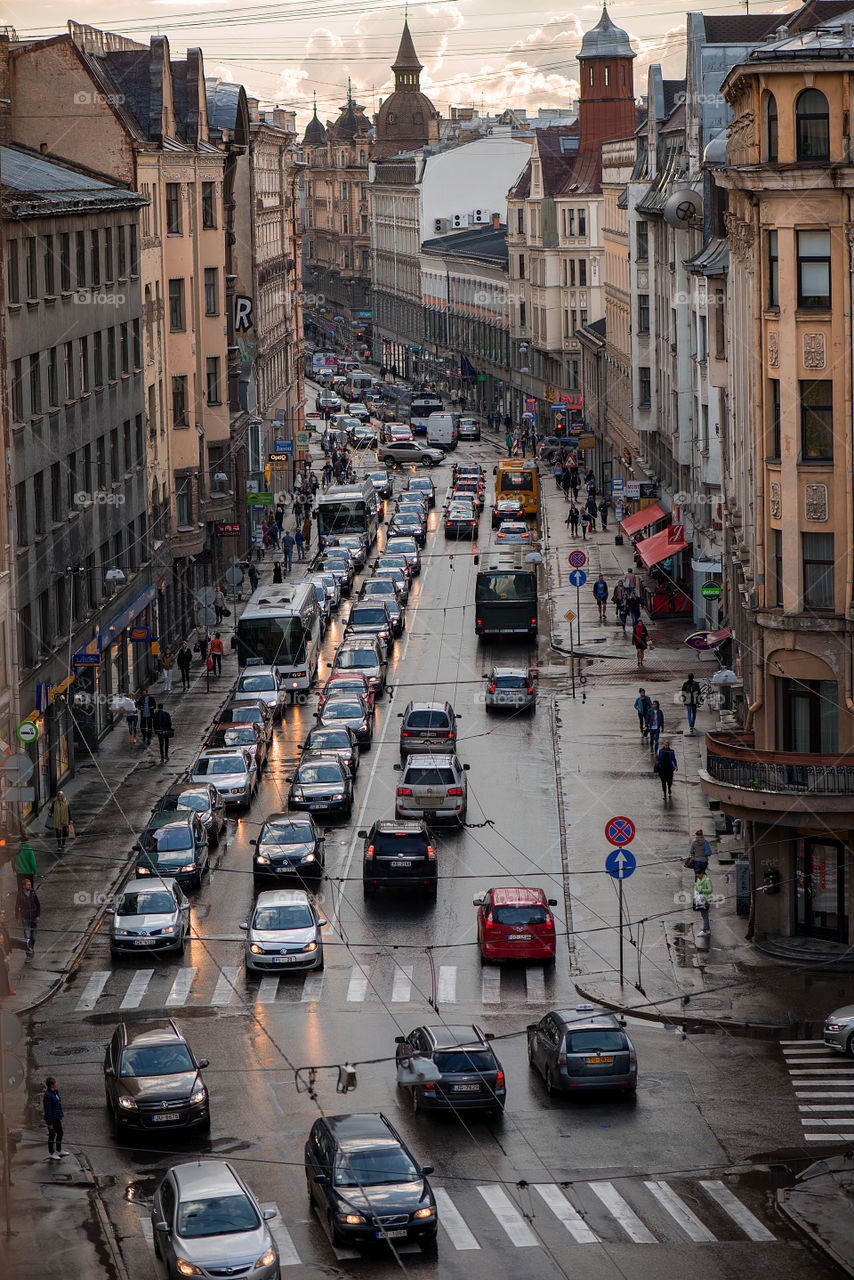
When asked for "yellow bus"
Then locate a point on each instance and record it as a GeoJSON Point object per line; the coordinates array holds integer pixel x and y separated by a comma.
{"type": "Point", "coordinates": [517, 478]}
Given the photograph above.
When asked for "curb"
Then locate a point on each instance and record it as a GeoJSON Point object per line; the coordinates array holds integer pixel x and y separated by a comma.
{"type": "Point", "coordinates": [108, 1235]}
{"type": "Point", "coordinates": [794, 1218]}
{"type": "Point", "coordinates": [691, 1022]}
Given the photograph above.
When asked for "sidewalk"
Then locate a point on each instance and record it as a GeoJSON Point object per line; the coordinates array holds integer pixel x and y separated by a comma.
{"type": "Point", "coordinates": [821, 1204]}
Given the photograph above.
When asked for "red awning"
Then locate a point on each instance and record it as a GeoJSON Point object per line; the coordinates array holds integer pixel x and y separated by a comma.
{"type": "Point", "coordinates": [657, 548]}
{"type": "Point", "coordinates": [642, 519]}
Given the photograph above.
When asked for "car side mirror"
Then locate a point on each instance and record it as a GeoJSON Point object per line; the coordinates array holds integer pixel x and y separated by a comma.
{"type": "Point", "coordinates": [397, 767]}
{"type": "Point", "coordinates": [489, 1035]}
{"type": "Point", "coordinates": [110, 1071]}
{"type": "Point", "coordinates": [244, 925]}
{"type": "Point", "coordinates": [478, 901]}
{"type": "Point", "coordinates": [363, 835]}
{"type": "Point", "coordinates": [552, 902]}
{"type": "Point", "coordinates": [162, 1226]}
{"type": "Point", "coordinates": [400, 1039]}
{"type": "Point", "coordinates": [267, 1214]}
{"type": "Point", "coordinates": [289, 777]}
{"type": "Point", "coordinates": [111, 911]}
{"type": "Point", "coordinates": [495, 471]}
{"type": "Point", "coordinates": [136, 848]}
{"type": "Point", "coordinates": [426, 1169]}
{"type": "Point", "coordinates": [321, 1180]}
{"type": "Point", "coordinates": [253, 841]}
{"type": "Point", "coordinates": [321, 921]}
{"type": "Point", "coordinates": [203, 1062]}
{"type": "Point", "coordinates": [532, 1026]}
{"type": "Point", "coordinates": [400, 715]}
{"type": "Point", "coordinates": [466, 767]}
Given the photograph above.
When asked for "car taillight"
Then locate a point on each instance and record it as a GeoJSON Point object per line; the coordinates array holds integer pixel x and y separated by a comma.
{"type": "Point", "coordinates": [533, 622]}
{"type": "Point", "coordinates": [530, 688]}
{"type": "Point", "coordinates": [633, 1057]}
{"type": "Point", "coordinates": [404, 791]}
{"type": "Point", "coordinates": [453, 791]}
{"type": "Point", "coordinates": [446, 733]}
{"type": "Point", "coordinates": [429, 1085]}
{"type": "Point", "coordinates": [370, 851]}
{"type": "Point", "coordinates": [492, 687]}
{"type": "Point", "coordinates": [489, 921]}
{"type": "Point", "coordinates": [549, 924]}
{"type": "Point", "coordinates": [431, 852]}
{"type": "Point", "coordinates": [499, 1080]}
{"type": "Point", "coordinates": [561, 1059]}
{"type": "Point", "coordinates": [404, 733]}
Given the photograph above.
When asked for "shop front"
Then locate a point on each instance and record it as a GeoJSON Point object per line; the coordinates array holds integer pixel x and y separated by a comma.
{"type": "Point", "coordinates": [666, 592]}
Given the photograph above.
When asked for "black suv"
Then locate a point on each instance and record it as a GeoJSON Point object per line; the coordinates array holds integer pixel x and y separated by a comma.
{"type": "Point", "coordinates": [399, 855]}
{"type": "Point", "coordinates": [365, 1183]}
{"type": "Point", "coordinates": [152, 1079]}
{"type": "Point", "coordinates": [470, 1077]}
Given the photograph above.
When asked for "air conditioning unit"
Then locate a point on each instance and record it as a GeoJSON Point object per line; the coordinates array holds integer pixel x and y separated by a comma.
{"type": "Point", "coordinates": [458, 219]}
{"type": "Point", "coordinates": [478, 215]}
{"type": "Point", "coordinates": [438, 225]}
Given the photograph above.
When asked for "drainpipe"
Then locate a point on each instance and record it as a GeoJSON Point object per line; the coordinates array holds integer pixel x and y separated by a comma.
{"type": "Point", "coordinates": [849, 495]}
{"type": "Point", "coordinates": [759, 453]}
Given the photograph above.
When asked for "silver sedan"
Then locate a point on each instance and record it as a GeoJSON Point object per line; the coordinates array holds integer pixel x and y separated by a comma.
{"type": "Point", "coordinates": [839, 1030]}
{"type": "Point", "coordinates": [510, 689]}
{"type": "Point", "coordinates": [151, 915]}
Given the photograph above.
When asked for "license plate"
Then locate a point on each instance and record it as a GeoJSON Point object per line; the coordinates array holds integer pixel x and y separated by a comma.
{"type": "Point", "coordinates": [284, 959]}
{"type": "Point", "coordinates": [600, 1061]}
{"type": "Point", "coordinates": [520, 937]}
{"type": "Point", "coordinates": [146, 942]}
{"type": "Point", "coordinates": [318, 805]}
{"type": "Point", "coordinates": [465, 1088]}
{"type": "Point", "coordinates": [166, 1115]}
{"type": "Point", "coordinates": [401, 862]}
{"type": "Point", "coordinates": [397, 1234]}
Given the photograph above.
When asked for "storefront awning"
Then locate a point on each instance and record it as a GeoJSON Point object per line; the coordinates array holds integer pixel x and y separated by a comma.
{"type": "Point", "coordinates": [657, 548]}
{"type": "Point", "coordinates": [642, 519]}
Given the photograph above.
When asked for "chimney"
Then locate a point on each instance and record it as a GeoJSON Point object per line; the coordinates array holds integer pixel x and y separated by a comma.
{"type": "Point", "coordinates": [496, 221]}
{"type": "Point", "coordinates": [254, 114]}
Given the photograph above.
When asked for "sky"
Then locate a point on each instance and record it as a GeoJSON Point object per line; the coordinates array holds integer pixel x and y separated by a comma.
{"type": "Point", "coordinates": [490, 54]}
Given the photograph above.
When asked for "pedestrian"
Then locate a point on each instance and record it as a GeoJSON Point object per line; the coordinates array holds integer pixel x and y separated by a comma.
{"type": "Point", "coordinates": [53, 1114]}
{"type": "Point", "coordinates": [167, 662]}
{"type": "Point", "coordinates": [253, 576]}
{"type": "Point", "coordinates": [219, 603]}
{"type": "Point", "coordinates": [280, 514]}
{"type": "Point", "coordinates": [655, 724]}
{"type": "Point", "coordinates": [665, 766]}
{"type": "Point", "coordinates": [28, 910]}
{"type": "Point", "coordinates": [592, 511]}
{"type": "Point", "coordinates": [630, 581]}
{"type": "Point", "coordinates": [564, 483]}
{"type": "Point", "coordinates": [306, 532]}
{"type": "Point", "coordinates": [300, 542]}
{"type": "Point", "coordinates": [692, 697]}
{"type": "Point", "coordinates": [634, 609]}
{"type": "Point", "coordinates": [217, 650]}
{"type": "Point", "coordinates": [640, 639]}
{"type": "Point", "coordinates": [163, 728]}
{"type": "Point", "coordinates": [699, 853]}
{"type": "Point", "coordinates": [202, 642]}
{"type": "Point", "coordinates": [603, 514]}
{"type": "Point", "coordinates": [288, 550]}
{"type": "Point", "coordinates": [618, 600]}
{"type": "Point", "coordinates": [273, 534]}
{"type": "Point", "coordinates": [600, 595]}
{"type": "Point", "coordinates": [643, 706]}
{"type": "Point", "coordinates": [63, 827]}
{"type": "Point", "coordinates": [558, 471]}
{"type": "Point", "coordinates": [184, 659]}
{"type": "Point", "coordinates": [6, 988]}
{"type": "Point", "coordinates": [572, 519]}
{"type": "Point", "coordinates": [146, 708]}
{"type": "Point", "coordinates": [297, 509]}
{"type": "Point", "coordinates": [25, 864]}
{"type": "Point", "coordinates": [508, 423]}
{"type": "Point", "coordinates": [258, 538]}
{"type": "Point", "coordinates": [126, 705]}
{"type": "Point", "coordinates": [277, 572]}
{"type": "Point", "coordinates": [702, 900]}
{"type": "Point", "coordinates": [585, 524]}
{"type": "Point", "coordinates": [508, 440]}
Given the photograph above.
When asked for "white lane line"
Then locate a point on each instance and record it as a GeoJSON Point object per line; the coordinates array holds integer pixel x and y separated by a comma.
{"type": "Point", "coordinates": [828, 1137]}
{"type": "Point", "coordinates": [268, 989]}
{"type": "Point", "coordinates": [564, 1212]}
{"type": "Point", "coordinates": [453, 1222]}
{"type": "Point", "coordinates": [829, 1106]}
{"type": "Point", "coordinates": [358, 988]}
{"type": "Point", "coordinates": [446, 989]}
{"type": "Point", "coordinates": [800, 1042]}
{"type": "Point", "coordinates": [312, 988]}
{"type": "Point", "coordinates": [184, 979]}
{"type": "Point", "coordinates": [823, 1093]}
{"type": "Point", "coordinates": [820, 1071]}
{"type": "Point", "coordinates": [92, 991]}
{"type": "Point", "coordinates": [620, 1211]}
{"type": "Point", "coordinates": [829, 1121]}
{"type": "Point", "coordinates": [535, 984]}
{"type": "Point", "coordinates": [288, 1256]}
{"type": "Point", "coordinates": [490, 986]}
{"type": "Point", "coordinates": [828, 1080]}
{"type": "Point", "coordinates": [401, 990]}
{"type": "Point", "coordinates": [822, 1060]}
{"type": "Point", "coordinates": [740, 1214]}
{"type": "Point", "coordinates": [800, 1053]}
{"type": "Point", "coordinates": [137, 989]}
{"type": "Point", "coordinates": [226, 982]}
{"type": "Point", "coordinates": [680, 1213]}
{"type": "Point", "coordinates": [509, 1217]}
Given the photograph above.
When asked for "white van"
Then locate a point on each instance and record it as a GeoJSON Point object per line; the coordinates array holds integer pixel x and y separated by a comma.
{"type": "Point", "coordinates": [443, 430]}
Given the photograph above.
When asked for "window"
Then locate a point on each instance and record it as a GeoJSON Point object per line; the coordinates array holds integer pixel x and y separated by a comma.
{"type": "Point", "coordinates": [133, 249]}
{"type": "Point", "coordinates": [812, 126]}
{"type": "Point", "coordinates": [85, 385]}
{"type": "Point", "coordinates": [32, 268]}
{"type": "Point", "coordinates": [522, 316]}
{"type": "Point", "coordinates": [643, 313]}
{"type": "Point", "coordinates": [101, 462]}
{"type": "Point", "coordinates": [645, 384]}
{"type": "Point", "coordinates": [13, 283]}
{"type": "Point", "coordinates": [69, 370]}
{"type": "Point", "coordinates": [582, 272]}
{"type": "Point", "coordinates": [775, 586]}
{"type": "Point", "coordinates": [807, 715]}
{"type": "Point", "coordinates": [521, 266]}
{"type": "Point", "coordinates": [139, 440]}
{"type": "Point", "coordinates": [817, 420]}
{"type": "Point", "coordinates": [21, 513]}
{"type": "Point", "coordinates": [115, 461]}
{"type": "Point", "coordinates": [53, 376]}
{"type": "Point", "coordinates": [38, 502]}
{"type": "Point", "coordinates": [70, 480]}
{"type": "Point", "coordinates": [95, 255]}
{"type": "Point", "coordinates": [18, 390]}
{"type": "Point", "coordinates": [771, 128]}
{"type": "Point", "coordinates": [813, 268]}
{"type": "Point", "coordinates": [111, 354]}
{"type": "Point", "coordinates": [65, 262]}
{"type": "Point", "coordinates": [582, 222]}
{"type": "Point", "coordinates": [173, 208]}
{"type": "Point", "coordinates": [520, 221]}
{"type": "Point", "coordinates": [773, 270]}
{"type": "Point", "coordinates": [80, 259]}
{"type": "Point", "coordinates": [179, 402]}
{"type": "Point", "coordinates": [56, 504]}
{"type": "Point", "coordinates": [570, 220]}
{"type": "Point", "coordinates": [606, 71]}
{"type": "Point", "coordinates": [212, 379]}
{"type": "Point", "coordinates": [366, 260]}
{"type": "Point", "coordinates": [124, 333]}
{"type": "Point", "coordinates": [121, 250]}
{"type": "Point", "coordinates": [572, 272]}
{"type": "Point", "coordinates": [582, 317]}
{"type": "Point", "coordinates": [642, 240]}
{"type": "Point", "coordinates": [98, 358]}
{"type": "Point", "coordinates": [35, 384]}
{"type": "Point", "coordinates": [108, 254]}
{"type": "Point", "coordinates": [211, 301]}
{"type": "Point", "coordinates": [208, 206]}
{"type": "Point", "coordinates": [182, 502]}
{"type": "Point", "coordinates": [176, 305]}
{"type": "Point", "coordinates": [364, 224]}
{"type": "Point", "coordinates": [817, 551]}
{"type": "Point", "coordinates": [774, 441]}
{"type": "Point", "coordinates": [137, 344]}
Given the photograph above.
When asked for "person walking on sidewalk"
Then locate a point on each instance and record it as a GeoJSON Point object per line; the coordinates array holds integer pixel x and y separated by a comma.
{"type": "Point", "coordinates": [564, 483]}
{"type": "Point", "coordinates": [508, 440]}
{"type": "Point", "coordinates": [146, 706]}
{"type": "Point", "coordinates": [29, 912]}
{"type": "Point", "coordinates": [699, 853]}
{"type": "Point", "coordinates": [288, 542]}
{"type": "Point", "coordinates": [621, 604]}
{"type": "Point", "coordinates": [62, 822]}
{"type": "Point", "coordinates": [300, 542]}
{"type": "Point", "coordinates": [25, 864]}
{"type": "Point", "coordinates": [630, 582]}
{"type": "Point", "coordinates": [277, 572]}
{"type": "Point", "coordinates": [125, 705]}
{"type": "Point", "coordinates": [558, 473]}
{"type": "Point", "coordinates": [217, 650]}
{"type": "Point", "coordinates": [53, 1116]}
{"type": "Point", "coordinates": [666, 766]}
{"type": "Point", "coordinates": [640, 639]}
{"type": "Point", "coordinates": [600, 595]}
{"type": "Point", "coordinates": [654, 724]}
{"type": "Point", "coordinates": [163, 729]}
{"type": "Point", "coordinates": [167, 662]}
{"type": "Point", "coordinates": [184, 659]}
{"type": "Point", "coordinates": [702, 900]}
{"type": "Point", "coordinates": [592, 511]}
{"type": "Point", "coordinates": [253, 577]}
{"type": "Point", "coordinates": [635, 607]}
{"type": "Point", "coordinates": [306, 532]}
{"type": "Point", "coordinates": [572, 519]}
{"type": "Point", "coordinates": [603, 514]}
{"type": "Point", "coordinates": [692, 696]}
{"type": "Point", "coordinates": [643, 706]}
{"type": "Point", "coordinates": [202, 641]}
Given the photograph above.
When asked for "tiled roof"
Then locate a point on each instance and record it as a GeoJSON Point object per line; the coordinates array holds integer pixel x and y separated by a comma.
{"type": "Point", "coordinates": [741, 28]}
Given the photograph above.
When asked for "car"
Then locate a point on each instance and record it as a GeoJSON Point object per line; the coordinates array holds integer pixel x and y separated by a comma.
{"type": "Point", "coordinates": [203, 800]}
{"type": "Point", "coordinates": [515, 924]}
{"type": "Point", "coordinates": [206, 1222]}
{"type": "Point", "coordinates": [395, 574]}
{"type": "Point", "coordinates": [468, 470]}
{"type": "Point", "coordinates": [347, 682]}
{"type": "Point", "coordinates": [507, 509]}
{"type": "Point", "coordinates": [258, 683]}
{"type": "Point", "coordinates": [398, 855]}
{"type": "Point", "coordinates": [582, 1050]}
{"type": "Point", "coordinates": [468, 1075]}
{"type": "Point", "coordinates": [365, 1184]}
{"type": "Point", "coordinates": [250, 736]}
{"type": "Point", "coordinates": [283, 932]}
{"type": "Point", "coordinates": [408, 451]}
{"type": "Point", "coordinates": [328, 400]}
{"type": "Point", "coordinates": [423, 484]}
{"type": "Point", "coordinates": [412, 504]}
{"type": "Point", "coordinates": [365, 654]}
{"type": "Point", "coordinates": [510, 689]}
{"type": "Point", "coordinates": [151, 915]}
{"type": "Point", "coordinates": [468, 491]}
{"type": "Point", "coordinates": [428, 727]}
{"type": "Point", "coordinates": [153, 1080]}
{"type": "Point", "coordinates": [340, 743]}
{"type": "Point", "coordinates": [356, 544]}
{"type": "Point", "coordinates": [321, 784]}
{"type": "Point", "coordinates": [839, 1030]}
{"type": "Point", "coordinates": [409, 525]}
{"type": "Point", "coordinates": [173, 845]}
{"type": "Point", "coordinates": [351, 710]}
{"type": "Point", "coordinates": [512, 533]}
{"type": "Point", "coordinates": [249, 713]}
{"type": "Point", "coordinates": [324, 609]}
{"type": "Point", "coordinates": [373, 620]}
{"type": "Point", "coordinates": [381, 589]}
{"type": "Point", "coordinates": [552, 448]}
{"type": "Point", "coordinates": [460, 520]}
{"type": "Point", "coordinates": [409, 549]}
{"type": "Point", "coordinates": [468, 429]}
{"type": "Point", "coordinates": [382, 482]}
{"type": "Point", "coordinates": [340, 565]}
{"type": "Point", "coordinates": [289, 846]}
{"type": "Point", "coordinates": [364, 436]}
{"type": "Point", "coordinates": [231, 770]}
{"type": "Point", "coordinates": [433, 787]}
{"type": "Point", "coordinates": [400, 431]}
{"type": "Point", "coordinates": [397, 560]}
{"type": "Point", "coordinates": [358, 410]}
{"type": "Point", "coordinates": [330, 585]}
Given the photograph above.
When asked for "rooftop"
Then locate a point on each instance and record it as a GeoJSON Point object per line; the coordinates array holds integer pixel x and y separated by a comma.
{"type": "Point", "coordinates": [606, 40]}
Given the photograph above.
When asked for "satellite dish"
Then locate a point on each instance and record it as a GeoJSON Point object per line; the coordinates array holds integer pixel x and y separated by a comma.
{"type": "Point", "coordinates": [684, 209]}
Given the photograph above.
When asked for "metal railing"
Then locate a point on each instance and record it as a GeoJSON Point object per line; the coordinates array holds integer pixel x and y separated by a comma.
{"type": "Point", "coordinates": [781, 776]}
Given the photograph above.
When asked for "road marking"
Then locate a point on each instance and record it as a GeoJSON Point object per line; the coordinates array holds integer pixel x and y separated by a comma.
{"type": "Point", "coordinates": [490, 986]}
{"type": "Point", "coordinates": [801, 1042]}
{"type": "Point", "coordinates": [626, 1217]}
{"type": "Point", "coordinates": [92, 990]}
{"type": "Point", "coordinates": [680, 1213]}
{"type": "Point", "coordinates": [820, 1071]}
{"type": "Point", "coordinates": [828, 1137]}
{"type": "Point", "coordinates": [268, 989]}
{"type": "Point", "coordinates": [827, 1106]}
{"type": "Point", "coordinates": [137, 989]}
{"type": "Point", "coordinates": [226, 982]}
{"type": "Point", "coordinates": [535, 984]}
{"type": "Point", "coordinates": [288, 1256]}
{"type": "Point", "coordinates": [740, 1214]}
{"type": "Point", "coordinates": [148, 1232]}
{"type": "Point", "coordinates": [831, 1080]}
{"type": "Point", "coordinates": [453, 1222]}
{"type": "Point", "coordinates": [831, 1120]}
{"type": "Point", "coordinates": [358, 988]}
{"type": "Point", "coordinates": [823, 1093]}
{"type": "Point", "coordinates": [509, 1217]}
{"type": "Point", "coordinates": [446, 990]}
{"type": "Point", "coordinates": [184, 979]}
{"type": "Point", "coordinates": [402, 986]}
{"type": "Point", "coordinates": [824, 1059]}
{"type": "Point", "coordinates": [565, 1213]}
{"type": "Point", "coordinates": [313, 985]}
{"type": "Point", "coordinates": [794, 1053]}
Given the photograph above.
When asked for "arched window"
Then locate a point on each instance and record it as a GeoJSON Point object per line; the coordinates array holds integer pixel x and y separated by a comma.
{"type": "Point", "coordinates": [362, 157]}
{"type": "Point", "coordinates": [771, 128]}
{"type": "Point", "coordinates": [812, 126]}
{"type": "Point", "coordinates": [590, 73]}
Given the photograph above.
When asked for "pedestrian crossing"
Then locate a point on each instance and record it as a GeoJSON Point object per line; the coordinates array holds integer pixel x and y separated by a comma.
{"type": "Point", "coordinates": [500, 1216]}
{"type": "Point", "coordinates": [823, 1081]}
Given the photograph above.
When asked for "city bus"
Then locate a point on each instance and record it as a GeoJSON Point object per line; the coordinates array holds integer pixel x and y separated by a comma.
{"type": "Point", "coordinates": [280, 627]}
{"type": "Point", "coordinates": [348, 508]}
{"type": "Point", "coordinates": [423, 403]}
{"type": "Point", "coordinates": [505, 594]}
{"type": "Point", "coordinates": [516, 478]}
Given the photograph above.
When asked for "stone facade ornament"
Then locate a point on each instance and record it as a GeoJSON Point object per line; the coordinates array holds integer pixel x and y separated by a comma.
{"type": "Point", "coordinates": [774, 503]}
{"type": "Point", "coordinates": [773, 349]}
{"type": "Point", "coordinates": [643, 279]}
{"type": "Point", "coordinates": [740, 236]}
{"type": "Point", "coordinates": [815, 501]}
{"type": "Point", "coordinates": [814, 351]}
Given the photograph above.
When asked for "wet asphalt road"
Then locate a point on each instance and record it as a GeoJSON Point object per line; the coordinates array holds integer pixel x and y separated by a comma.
{"type": "Point", "coordinates": [600, 1184]}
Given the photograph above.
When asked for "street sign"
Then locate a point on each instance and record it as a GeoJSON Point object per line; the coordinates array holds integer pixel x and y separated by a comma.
{"type": "Point", "coordinates": [302, 439]}
{"type": "Point", "coordinates": [578, 559]}
{"type": "Point", "coordinates": [620, 863]}
{"type": "Point", "coordinates": [312, 414]}
{"type": "Point", "coordinates": [617, 485]}
{"type": "Point", "coordinates": [619, 831]}
{"type": "Point", "coordinates": [284, 450]}
{"type": "Point", "coordinates": [27, 731]}
{"type": "Point", "coordinates": [569, 615]}
{"type": "Point", "coordinates": [205, 617]}
{"type": "Point", "coordinates": [140, 635]}
{"type": "Point", "coordinates": [280, 446]}
{"type": "Point", "coordinates": [86, 660]}
{"type": "Point", "coordinates": [675, 534]}
{"type": "Point", "coordinates": [233, 576]}
{"type": "Point", "coordinates": [229, 529]}
{"type": "Point", "coordinates": [206, 595]}
{"type": "Point", "coordinates": [578, 577]}
{"type": "Point", "coordinates": [259, 499]}
{"type": "Point", "coordinates": [704, 640]}
{"type": "Point", "coordinates": [711, 590]}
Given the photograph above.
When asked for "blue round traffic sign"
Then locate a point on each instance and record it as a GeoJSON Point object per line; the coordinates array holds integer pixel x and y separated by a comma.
{"type": "Point", "coordinates": [578, 577]}
{"type": "Point", "coordinates": [619, 831]}
{"type": "Point", "coordinates": [620, 863]}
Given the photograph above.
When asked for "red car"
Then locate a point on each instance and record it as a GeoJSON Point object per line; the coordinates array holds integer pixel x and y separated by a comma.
{"type": "Point", "coordinates": [515, 924]}
{"type": "Point", "coordinates": [346, 682]}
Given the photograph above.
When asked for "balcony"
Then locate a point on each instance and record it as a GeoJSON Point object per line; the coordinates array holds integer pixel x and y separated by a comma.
{"type": "Point", "coordinates": [750, 783]}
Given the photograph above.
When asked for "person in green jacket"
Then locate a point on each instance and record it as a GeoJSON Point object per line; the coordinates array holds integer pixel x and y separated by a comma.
{"type": "Point", "coordinates": [25, 864]}
{"type": "Point", "coordinates": [703, 894]}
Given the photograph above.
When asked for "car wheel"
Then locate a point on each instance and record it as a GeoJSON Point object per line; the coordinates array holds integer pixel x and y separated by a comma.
{"type": "Point", "coordinates": [550, 1089]}
{"type": "Point", "coordinates": [849, 1048]}
{"type": "Point", "coordinates": [369, 890]}
{"type": "Point", "coordinates": [428, 462]}
{"type": "Point", "coordinates": [388, 458]}
{"type": "Point", "coordinates": [416, 1105]}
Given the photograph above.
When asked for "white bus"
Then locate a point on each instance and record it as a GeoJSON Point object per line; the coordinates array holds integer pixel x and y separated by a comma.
{"type": "Point", "coordinates": [423, 403]}
{"type": "Point", "coordinates": [280, 627]}
{"type": "Point", "coordinates": [348, 508]}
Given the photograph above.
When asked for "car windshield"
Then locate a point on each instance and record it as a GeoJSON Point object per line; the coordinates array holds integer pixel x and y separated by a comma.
{"type": "Point", "coordinates": [427, 720]}
{"type": "Point", "coordinates": [354, 659]}
{"type": "Point", "coordinates": [510, 682]}
{"type": "Point", "coordinates": [464, 1060]}
{"type": "Point", "coordinates": [343, 711]}
{"type": "Point", "coordinates": [328, 740]}
{"type": "Point", "coordinates": [166, 838]}
{"type": "Point", "coordinates": [425, 776]}
{"type": "Point", "coordinates": [218, 1216]}
{"type": "Point", "coordinates": [368, 617]}
{"type": "Point", "coordinates": [404, 843]}
{"type": "Point", "coordinates": [197, 801]}
{"type": "Point", "coordinates": [146, 902]}
{"type": "Point", "coordinates": [385, 1165]}
{"type": "Point", "coordinates": [256, 684]}
{"type": "Point", "coordinates": [290, 833]}
{"type": "Point", "coordinates": [329, 771]}
{"type": "Point", "coordinates": [379, 587]}
{"type": "Point", "coordinates": [291, 915]}
{"type": "Point", "coordinates": [593, 1041]}
{"type": "Point", "coordinates": [519, 915]}
{"type": "Point", "coordinates": [405, 546]}
{"type": "Point", "coordinates": [236, 737]}
{"type": "Point", "coordinates": [156, 1060]}
{"type": "Point", "coordinates": [243, 715]}
{"type": "Point", "coordinates": [217, 766]}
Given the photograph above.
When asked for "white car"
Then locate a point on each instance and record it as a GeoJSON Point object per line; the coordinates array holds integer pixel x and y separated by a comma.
{"type": "Point", "coordinates": [328, 400]}
{"type": "Point", "coordinates": [152, 915]}
{"type": "Point", "coordinates": [232, 771]}
{"type": "Point", "coordinates": [283, 932]}
{"type": "Point", "coordinates": [469, 429]}
{"type": "Point", "coordinates": [512, 533]}
{"type": "Point", "coordinates": [262, 684]}
{"type": "Point", "coordinates": [432, 787]}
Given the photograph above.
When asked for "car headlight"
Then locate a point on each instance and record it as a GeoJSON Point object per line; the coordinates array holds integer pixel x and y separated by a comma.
{"type": "Point", "coordinates": [297, 793]}
{"type": "Point", "coordinates": [835, 1026]}
{"type": "Point", "coordinates": [426, 1212]}
{"type": "Point", "coordinates": [352, 1219]}
{"type": "Point", "coordinates": [122, 933]}
{"type": "Point", "coordinates": [339, 795]}
{"type": "Point", "coordinates": [266, 1260]}
{"type": "Point", "coordinates": [191, 866]}
{"type": "Point", "coordinates": [262, 859]}
{"type": "Point", "coordinates": [256, 950]}
{"type": "Point", "coordinates": [126, 1103]}
{"type": "Point", "coordinates": [309, 857]}
{"type": "Point", "coordinates": [310, 946]}
{"type": "Point", "coordinates": [187, 1268]}
{"type": "Point", "coordinates": [143, 871]}
{"type": "Point", "coordinates": [200, 1094]}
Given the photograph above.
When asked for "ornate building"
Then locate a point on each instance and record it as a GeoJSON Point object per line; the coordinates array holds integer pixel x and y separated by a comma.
{"type": "Point", "coordinates": [407, 120]}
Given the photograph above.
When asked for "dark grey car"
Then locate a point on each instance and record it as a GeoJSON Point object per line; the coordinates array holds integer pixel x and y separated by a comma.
{"type": "Point", "coordinates": [582, 1049]}
{"type": "Point", "coordinates": [468, 1075]}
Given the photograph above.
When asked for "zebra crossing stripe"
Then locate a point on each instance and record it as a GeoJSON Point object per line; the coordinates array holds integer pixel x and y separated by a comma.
{"type": "Point", "coordinates": [491, 986]}
{"type": "Point", "coordinates": [622, 1213]}
{"type": "Point", "coordinates": [823, 1093]}
{"type": "Point", "coordinates": [803, 1043]}
{"type": "Point", "coordinates": [535, 984]}
{"type": "Point", "coordinates": [401, 988]}
{"type": "Point", "coordinates": [680, 1213]}
{"type": "Point", "coordinates": [509, 1217]}
{"type": "Point", "coordinates": [564, 1212]}
{"type": "Point", "coordinates": [288, 1256]}
{"type": "Point", "coordinates": [828, 1137]}
{"type": "Point", "coordinates": [313, 985]}
{"type": "Point", "coordinates": [828, 1106]}
{"type": "Point", "coordinates": [268, 989]}
{"type": "Point", "coordinates": [137, 989]}
{"type": "Point", "coordinates": [358, 988]}
{"type": "Point", "coordinates": [446, 990]}
{"type": "Point", "coordinates": [226, 982]}
{"type": "Point", "coordinates": [184, 980]}
{"type": "Point", "coordinates": [92, 990]}
{"type": "Point", "coordinates": [740, 1214]}
{"type": "Point", "coordinates": [453, 1222]}
{"type": "Point", "coordinates": [148, 1232]}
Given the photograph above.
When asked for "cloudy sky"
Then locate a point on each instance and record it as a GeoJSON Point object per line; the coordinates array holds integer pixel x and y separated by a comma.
{"type": "Point", "coordinates": [485, 53]}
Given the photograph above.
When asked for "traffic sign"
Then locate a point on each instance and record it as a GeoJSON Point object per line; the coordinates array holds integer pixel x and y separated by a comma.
{"type": "Point", "coordinates": [711, 590]}
{"type": "Point", "coordinates": [569, 615]}
{"type": "Point", "coordinates": [618, 485]}
{"type": "Point", "coordinates": [578, 559]}
{"type": "Point", "coordinates": [233, 576]}
{"type": "Point", "coordinates": [619, 831]}
{"type": "Point", "coordinates": [27, 731]}
{"type": "Point", "coordinates": [578, 577]}
{"type": "Point", "coordinates": [620, 863]}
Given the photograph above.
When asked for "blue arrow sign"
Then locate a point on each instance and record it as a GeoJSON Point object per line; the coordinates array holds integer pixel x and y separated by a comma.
{"type": "Point", "coordinates": [578, 577]}
{"type": "Point", "coordinates": [620, 863]}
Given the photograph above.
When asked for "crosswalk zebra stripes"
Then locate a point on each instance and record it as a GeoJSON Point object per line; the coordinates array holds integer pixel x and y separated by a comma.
{"type": "Point", "coordinates": [823, 1082]}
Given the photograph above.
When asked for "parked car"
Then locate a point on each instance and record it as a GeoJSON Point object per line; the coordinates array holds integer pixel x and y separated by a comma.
{"type": "Point", "coordinates": [469, 1075]}
{"type": "Point", "coordinates": [366, 655]}
{"type": "Point", "coordinates": [250, 736]}
{"type": "Point", "coordinates": [580, 1050]}
{"type": "Point", "coordinates": [321, 785]}
{"type": "Point", "coordinates": [428, 727]}
{"type": "Point", "coordinates": [510, 689]}
{"type": "Point", "coordinates": [351, 710]}
{"type": "Point", "coordinates": [469, 429]}
{"type": "Point", "coordinates": [408, 451]}
{"type": "Point", "coordinates": [173, 845]}
{"type": "Point", "coordinates": [398, 855]}
{"type": "Point", "coordinates": [839, 1030]}
{"type": "Point", "coordinates": [153, 1080]}
{"type": "Point", "coordinates": [151, 915]}
{"type": "Point", "coordinates": [432, 787]}
{"type": "Point", "coordinates": [283, 932]}
{"type": "Point", "coordinates": [460, 520]}
{"type": "Point", "coordinates": [231, 770]}
{"type": "Point", "coordinates": [341, 743]}
{"type": "Point", "coordinates": [515, 924]}
{"type": "Point", "coordinates": [289, 847]}
{"type": "Point", "coordinates": [507, 510]}
{"type": "Point", "coordinates": [203, 800]}
{"type": "Point", "coordinates": [262, 684]}
{"type": "Point", "coordinates": [250, 712]}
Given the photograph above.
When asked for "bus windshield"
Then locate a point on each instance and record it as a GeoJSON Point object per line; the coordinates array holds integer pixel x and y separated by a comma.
{"type": "Point", "coordinates": [506, 587]}
{"type": "Point", "coordinates": [347, 516]}
{"type": "Point", "coordinates": [273, 640]}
